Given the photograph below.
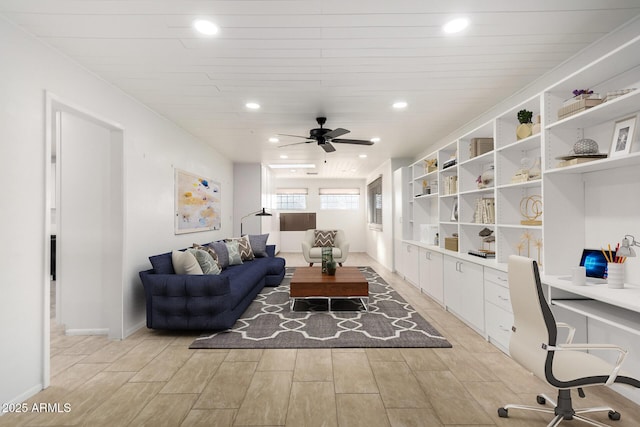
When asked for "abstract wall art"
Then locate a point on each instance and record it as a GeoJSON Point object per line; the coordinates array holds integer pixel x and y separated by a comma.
{"type": "Point", "coordinates": [197, 203]}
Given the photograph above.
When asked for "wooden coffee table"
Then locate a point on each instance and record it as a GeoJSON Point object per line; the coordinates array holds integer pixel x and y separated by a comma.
{"type": "Point", "coordinates": [348, 283]}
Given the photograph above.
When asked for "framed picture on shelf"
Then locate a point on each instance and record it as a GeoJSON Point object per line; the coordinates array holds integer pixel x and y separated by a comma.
{"type": "Point", "coordinates": [622, 137]}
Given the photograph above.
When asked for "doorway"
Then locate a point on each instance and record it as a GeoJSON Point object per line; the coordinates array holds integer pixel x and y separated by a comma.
{"type": "Point", "coordinates": [86, 209]}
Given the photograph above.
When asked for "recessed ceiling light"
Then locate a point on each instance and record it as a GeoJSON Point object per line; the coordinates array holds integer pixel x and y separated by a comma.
{"type": "Point", "coordinates": [274, 139]}
{"type": "Point", "coordinates": [252, 105]}
{"type": "Point", "coordinates": [363, 156]}
{"type": "Point", "coordinates": [375, 139]}
{"type": "Point", "coordinates": [289, 166]}
{"type": "Point", "coordinates": [284, 156]}
{"type": "Point", "coordinates": [293, 170]}
{"type": "Point", "coordinates": [399, 105]}
{"type": "Point", "coordinates": [455, 25]}
{"type": "Point", "coordinates": [205, 27]}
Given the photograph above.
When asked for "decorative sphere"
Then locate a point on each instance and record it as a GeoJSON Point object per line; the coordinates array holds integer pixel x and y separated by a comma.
{"type": "Point", "coordinates": [585, 146]}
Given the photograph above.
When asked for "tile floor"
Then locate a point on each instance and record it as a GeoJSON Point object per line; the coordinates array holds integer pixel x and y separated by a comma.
{"type": "Point", "coordinates": [152, 378]}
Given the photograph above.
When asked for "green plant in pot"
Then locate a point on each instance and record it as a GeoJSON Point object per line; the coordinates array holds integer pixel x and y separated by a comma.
{"type": "Point", "coordinates": [524, 128]}
{"type": "Point", "coordinates": [331, 267]}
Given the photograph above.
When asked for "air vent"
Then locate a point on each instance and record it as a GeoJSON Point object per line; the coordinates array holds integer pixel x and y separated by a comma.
{"type": "Point", "coordinates": [312, 173]}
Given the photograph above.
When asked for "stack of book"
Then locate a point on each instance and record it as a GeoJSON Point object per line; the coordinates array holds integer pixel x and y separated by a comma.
{"type": "Point", "coordinates": [482, 253]}
{"type": "Point", "coordinates": [450, 184]}
{"type": "Point", "coordinates": [485, 212]}
{"type": "Point", "coordinates": [449, 163]}
{"type": "Point", "coordinates": [479, 146]}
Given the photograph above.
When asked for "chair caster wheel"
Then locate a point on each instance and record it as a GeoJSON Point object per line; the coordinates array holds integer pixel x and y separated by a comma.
{"type": "Point", "coordinates": [614, 416]}
{"type": "Point", "coordinates": [503, 413]}
{"type": "Point", "coordinates": [541, 400]}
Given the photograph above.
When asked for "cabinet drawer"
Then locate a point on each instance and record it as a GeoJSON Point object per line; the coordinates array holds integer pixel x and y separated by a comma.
{"type": "Point", "coordinates": [499, 324]}
{"type": "Point", "coordinates": [496, 276]}
{"type": "Point", "coordinates": [497, 295]}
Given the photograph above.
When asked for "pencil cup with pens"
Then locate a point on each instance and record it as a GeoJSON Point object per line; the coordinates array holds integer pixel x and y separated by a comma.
{"type": "Point", "coordinates": [615, 268]}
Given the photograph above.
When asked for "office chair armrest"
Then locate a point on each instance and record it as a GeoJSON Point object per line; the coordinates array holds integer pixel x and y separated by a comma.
{"type": "Point", "coordinates": [616, 368]}
{"type": "Point", "coordinates": [572, 331]}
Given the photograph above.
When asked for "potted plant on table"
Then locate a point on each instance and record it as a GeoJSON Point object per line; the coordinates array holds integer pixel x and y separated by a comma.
{"type": "Point", "coordinates": [524, 129]}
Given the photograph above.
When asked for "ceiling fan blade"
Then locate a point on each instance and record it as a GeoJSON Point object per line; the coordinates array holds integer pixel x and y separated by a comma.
{"type": "Point", "coordinates": [352, 141]}
{"type": "Point", "coordinates": [336, 133]}
{"type": "Point", "coordinates": [295, 136]}
{"type": "Point", "coordinates": [327, 147]}
{"type": "Point", "coordinates": [295, 143]}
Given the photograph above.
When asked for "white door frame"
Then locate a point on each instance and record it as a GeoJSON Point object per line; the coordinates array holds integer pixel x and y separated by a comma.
{"type": "Point", "coordinates": [53, 106]}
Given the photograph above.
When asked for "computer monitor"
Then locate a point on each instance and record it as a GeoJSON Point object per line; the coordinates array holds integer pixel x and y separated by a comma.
{"type": "Point", "coordinates": [595, 263]}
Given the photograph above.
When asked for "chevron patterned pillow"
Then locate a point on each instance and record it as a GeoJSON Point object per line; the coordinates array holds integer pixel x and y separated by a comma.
{"type": "Point", "coordinates": [324, 238]}
{"type": "Point", "coordinates": [244, 245]}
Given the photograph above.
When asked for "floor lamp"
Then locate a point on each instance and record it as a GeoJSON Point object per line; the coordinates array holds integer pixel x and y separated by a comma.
{"type": "Point", "coordinates": [262, 212]}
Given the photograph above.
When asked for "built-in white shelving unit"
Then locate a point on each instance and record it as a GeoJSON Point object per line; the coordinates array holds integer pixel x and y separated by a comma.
{"type": "Point", "coordinates": [583, 205]}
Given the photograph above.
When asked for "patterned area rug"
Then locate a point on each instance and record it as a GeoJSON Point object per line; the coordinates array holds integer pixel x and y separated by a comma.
{"type": "Point", "coordinates": [270, 323]}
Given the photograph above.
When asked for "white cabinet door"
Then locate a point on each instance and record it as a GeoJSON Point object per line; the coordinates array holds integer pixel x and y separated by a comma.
{"type": "Point", "coordinates": [472, 294]}
{"type": "Point", "coordinates": [452, 285]}
{"type": "Point", "coordinates": [430, 269]}
{"type": "Point", "coordinates": [463, 291]}
{"type": "Point", "coordinates": [410, 255]}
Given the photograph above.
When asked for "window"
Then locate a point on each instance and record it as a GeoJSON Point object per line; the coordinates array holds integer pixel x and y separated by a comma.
{"type": "Point", "coordinates": [340, 198]}
{"type": "Point", "coordinates": [291, 198]}
{"type": "Point", "coordinates": [374, 195]}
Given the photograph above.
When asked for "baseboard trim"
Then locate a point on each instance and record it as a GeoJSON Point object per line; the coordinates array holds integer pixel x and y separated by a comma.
{"type": "Point", "coordinates": [73, 332]}
{"type": "Point", "coordinates": [135, 328]}
{"type": "Point", "coordinates": [30, 392]}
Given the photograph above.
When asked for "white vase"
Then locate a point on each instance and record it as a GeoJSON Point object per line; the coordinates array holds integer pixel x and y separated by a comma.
{"type": "Point", "coordinates": [487, 177]}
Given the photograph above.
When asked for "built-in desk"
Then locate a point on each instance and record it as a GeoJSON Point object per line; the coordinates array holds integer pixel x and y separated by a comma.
{"type": "Point", "coordinates": [616, 307]}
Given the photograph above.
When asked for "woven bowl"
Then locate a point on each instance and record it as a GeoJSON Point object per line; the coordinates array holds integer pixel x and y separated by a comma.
{"type": "Point", "coordinates": [586, 146]}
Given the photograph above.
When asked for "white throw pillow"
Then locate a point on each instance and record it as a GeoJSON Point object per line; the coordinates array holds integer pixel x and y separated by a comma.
{"type": "Point", "coordinates": [185, 263]}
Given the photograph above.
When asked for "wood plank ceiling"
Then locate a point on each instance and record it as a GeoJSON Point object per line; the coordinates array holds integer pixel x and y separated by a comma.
{"type": "Point", "coordinates": [348, 60]}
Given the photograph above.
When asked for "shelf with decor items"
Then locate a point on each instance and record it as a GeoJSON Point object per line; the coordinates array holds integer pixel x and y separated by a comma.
{"type": "Point", "coordinates": [582, 205]}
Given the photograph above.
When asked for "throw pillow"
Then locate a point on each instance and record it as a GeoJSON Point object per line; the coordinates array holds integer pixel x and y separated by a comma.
{"type": "Point", "coordinates": [259, 245]}
{"type": "Point", "coordinates": [234, 252]}
{"type": "Point", "coordinates": [162, 264]}
{"type": "Point", "coordinates": [205, 260]}
{"type": "Point", "coordinates": [324, 238]}
{"type": "Point", "coordinates": [185, 263]}
{"type": "Point", "coordinates": [220, 248]}
{"type": "Point", "coordinates": [210, 251]}
{"type": "Point", "coordinates": [245, 248]}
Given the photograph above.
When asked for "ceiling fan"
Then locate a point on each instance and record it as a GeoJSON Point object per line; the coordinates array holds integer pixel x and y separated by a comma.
{"type": "Point", "coordinates": [325, 137]}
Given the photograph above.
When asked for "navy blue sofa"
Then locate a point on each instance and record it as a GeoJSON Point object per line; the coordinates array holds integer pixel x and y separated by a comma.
{"type": "Point", "coordinates": [205, 302]}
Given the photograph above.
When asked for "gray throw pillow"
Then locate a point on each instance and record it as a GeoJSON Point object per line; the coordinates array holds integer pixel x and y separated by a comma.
{"type": "Point", "coordinates": [234, 252]}
{"type": "Point", "coordinates": [205, 260]}
{"type": "Point", "coordinates": [223, 254]}
{"type": "Point", "coordinates": [259, 244]}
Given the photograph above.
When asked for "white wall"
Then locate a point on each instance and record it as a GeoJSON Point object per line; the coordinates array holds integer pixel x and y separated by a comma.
{"type": "Point", "coordinates": [352, 222]}
{"type": "Point", "coordinates": [247, 183]}
{"type": "Point", "coordinates": [153, 147]}
{"type": "Point", "coordinates": [380, 242]}
{"type": "Point", "coordinates": [611, 211]}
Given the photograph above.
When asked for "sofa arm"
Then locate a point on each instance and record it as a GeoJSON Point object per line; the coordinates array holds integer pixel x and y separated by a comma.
{"type": "Point", "coordinates": [271, 250]}
{"type": "Point", "coordinates": [181, 301]}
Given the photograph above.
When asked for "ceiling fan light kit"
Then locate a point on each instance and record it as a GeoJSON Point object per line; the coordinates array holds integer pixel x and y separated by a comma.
{"type": "Point", "coordinates": [326, 137]}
